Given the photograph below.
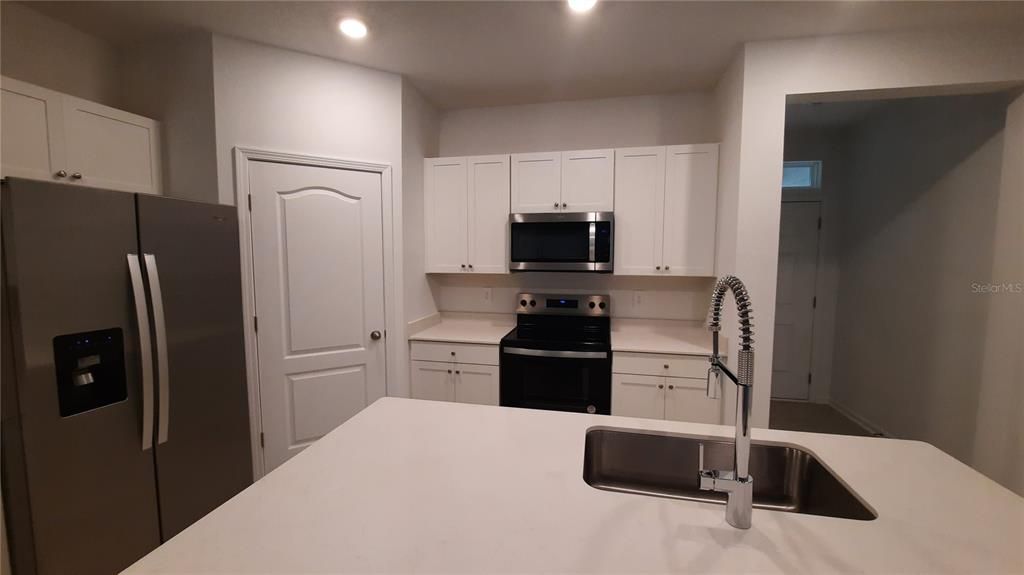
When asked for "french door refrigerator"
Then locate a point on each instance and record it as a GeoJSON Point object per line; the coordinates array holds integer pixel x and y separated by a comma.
{"type": "Point", "coordinates": [125, 414]}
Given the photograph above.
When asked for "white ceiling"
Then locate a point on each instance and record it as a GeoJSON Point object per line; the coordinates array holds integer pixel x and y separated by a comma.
{"type": "Point", "coordinates": [469, 54]}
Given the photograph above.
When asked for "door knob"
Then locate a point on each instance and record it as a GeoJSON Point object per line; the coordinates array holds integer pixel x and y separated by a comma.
{"type": "Point", "coordinates": [375, 335]}
{"type": "Point", "coordinates": [76, 176]}
{"type": "Point", "coordinates": [61, 174]}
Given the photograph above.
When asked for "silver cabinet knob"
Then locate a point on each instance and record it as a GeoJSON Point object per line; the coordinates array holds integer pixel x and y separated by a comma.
{"type": "Point", "coordinates": [375, 335]}
{"type": "Point", "coordinates": [61, 174]}
{"type": "Point", "coordinates": [76, 176]}
{"type": "Point", "coordinates": [565, 205]}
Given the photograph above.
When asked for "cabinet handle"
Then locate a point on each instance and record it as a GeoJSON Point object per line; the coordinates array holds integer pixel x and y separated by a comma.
{"type": "Point", "coordinates": [76, 176]}
{"type": "Point", "coordinates": [457, 372]}
{"type": "Point", "coordinates": [666, 268]}
{"type": "Point", "coordinates": [671, 387]}
{"type": "Point", "coordinates": [453, 354]}
{"type": "Point", "coordinates": [565, 205]}
{"type": "Point", "coordinates": [660, 386]}
{"type": "Point", "coordinates": [61, 174]}
{"type": "Point", "coordinates": [556, 205]}
{"type": "Point", "coordinates": [470, 266]}
{"type": "Point", "coordinates": [657, 267]}
{"type": "Point", "coordinates": [463, 266]}
{"type": "Point", "coordinates": [449, 371]}
{"type": "Point", "coordinates": [666, 366]}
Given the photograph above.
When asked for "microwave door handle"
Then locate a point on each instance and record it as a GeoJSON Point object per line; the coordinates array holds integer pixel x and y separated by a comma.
{"type": "Point", "coordinates": [160, 325]}
{"type": "Point", "coordinates": [593, 242]}
{"type": "Point", "coordinates": [145, 350]}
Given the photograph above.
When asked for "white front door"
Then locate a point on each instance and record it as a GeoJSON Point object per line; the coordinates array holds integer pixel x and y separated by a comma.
{"type": "Point", "coordinates": [794, 300]}
{"type": "Point", "coordinates": [318, 269]}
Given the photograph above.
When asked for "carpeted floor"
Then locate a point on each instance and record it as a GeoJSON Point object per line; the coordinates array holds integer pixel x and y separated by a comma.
{"type": "Point", "coordinates": [813, 417]}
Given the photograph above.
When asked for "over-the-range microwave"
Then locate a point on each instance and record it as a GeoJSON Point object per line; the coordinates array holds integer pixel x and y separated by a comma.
{"type": "Point", "coordinates": [563, 242]}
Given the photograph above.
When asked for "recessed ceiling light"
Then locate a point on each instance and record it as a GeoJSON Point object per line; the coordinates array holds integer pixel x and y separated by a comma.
{"type": "Point", "coordinates": [354, 28]}
{"type": "Point", "coordinates": [581, 5]}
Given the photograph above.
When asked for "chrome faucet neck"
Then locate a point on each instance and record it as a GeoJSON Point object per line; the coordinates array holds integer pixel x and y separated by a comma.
{"type": "Point", "coordinates": [737, 483]}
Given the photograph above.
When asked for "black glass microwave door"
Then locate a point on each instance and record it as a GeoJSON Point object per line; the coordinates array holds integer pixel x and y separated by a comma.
{"type": "Point", "coordinates": [551, 242]}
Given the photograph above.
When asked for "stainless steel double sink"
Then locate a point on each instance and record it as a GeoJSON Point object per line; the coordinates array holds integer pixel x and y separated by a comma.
{"type": "Point", "coordinates": [786, 478]}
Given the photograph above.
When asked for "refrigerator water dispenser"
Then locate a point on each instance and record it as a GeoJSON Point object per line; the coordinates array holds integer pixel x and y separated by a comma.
{"type": "Point", "coordinates": [90, 370]}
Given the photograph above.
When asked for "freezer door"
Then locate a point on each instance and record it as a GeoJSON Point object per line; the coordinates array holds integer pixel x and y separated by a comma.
{"type": "Point", "coordinates": [203, 452]}
{"type": "Point", "coordinates": [91, 486]}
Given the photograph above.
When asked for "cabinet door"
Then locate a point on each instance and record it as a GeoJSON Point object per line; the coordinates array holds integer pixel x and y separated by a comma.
{"type": "Point", "coordinates": [691, 200]}
{"type": "Point", "coordinates": [433, 380]}
{"type": "Point", "coordinates": [588, 180]}
{"type": "Point", "coordinates": [110, 148]}
{"type": "Point", "coordinates": [638, 396]}
{"type": "Point", "coordinates": [537, 182]}
{"type": "Point", "coordinates": [476, 384]}
{"type": "Point", "coordinates": [488, 213]}
{"type": "Point", "coordinates": [445, 211]}
{"type": "Point", "coordinates": [32, 131]}
{"type": "Point", "coordinates": [686, 400]}
{"type": "Point", "coordinates": [639, 199]}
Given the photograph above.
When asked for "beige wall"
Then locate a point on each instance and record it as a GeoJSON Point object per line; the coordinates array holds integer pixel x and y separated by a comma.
{"type": "Point", "coordinates": [172, 81]}
{"type": "Point", "coordinates": [883, 63]}
{"type": "Point", "coordinates": [923, 216]}
{"type": "Point", "coordinates": [37, 49]}
{"type": "Point", "coordinates": [420, 135]}
{"type": "Point", "coordinates": [605, 123]}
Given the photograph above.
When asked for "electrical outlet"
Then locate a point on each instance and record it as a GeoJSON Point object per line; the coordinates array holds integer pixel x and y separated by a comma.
{"type": "Point", "coordinates": [638, 298]}
{"type": "Point", "coordinates": [487, 294]}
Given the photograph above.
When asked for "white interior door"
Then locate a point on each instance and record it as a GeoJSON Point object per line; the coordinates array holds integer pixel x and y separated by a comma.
{"type": "Point", "coordinates": [318, 268]}
{"type": "Point", "coordinates": [794, 303]}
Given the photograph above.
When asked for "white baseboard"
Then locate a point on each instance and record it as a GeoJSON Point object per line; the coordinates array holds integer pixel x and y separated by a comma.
{"type": "Point", "coordinates": [871, 426]}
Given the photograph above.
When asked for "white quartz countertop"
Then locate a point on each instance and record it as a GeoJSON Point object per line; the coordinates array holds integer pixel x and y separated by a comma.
{"type": "Point", "coordinates": [663, 336]}
{"type": "Point", "coordinates": [415, 486]}
{"type": "Point", "coordinates": [479, 328]}
{"type": "Point", "coordinates": [632, 335]}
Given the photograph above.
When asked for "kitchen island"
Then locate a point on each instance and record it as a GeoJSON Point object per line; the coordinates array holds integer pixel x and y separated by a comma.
{"type": "Point", "coordinates": [434, 487]}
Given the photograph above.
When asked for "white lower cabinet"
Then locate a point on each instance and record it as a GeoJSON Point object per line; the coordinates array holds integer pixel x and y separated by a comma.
{"type": "Point", "coordinates": [660, 396]}
{"type": "Point", "coordinates": [442, 372]}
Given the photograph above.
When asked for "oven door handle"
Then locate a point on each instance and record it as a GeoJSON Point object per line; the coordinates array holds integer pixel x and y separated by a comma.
{"type": "Point", "coordinates": [556, 353]}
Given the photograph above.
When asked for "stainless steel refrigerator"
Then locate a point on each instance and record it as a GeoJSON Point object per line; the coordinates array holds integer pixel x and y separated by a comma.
{"type": "Point", "coordinates": [125, 414]}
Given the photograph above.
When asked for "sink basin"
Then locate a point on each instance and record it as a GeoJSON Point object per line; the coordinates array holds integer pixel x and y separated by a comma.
{"type": "Point", "coordinates": [786, 478]}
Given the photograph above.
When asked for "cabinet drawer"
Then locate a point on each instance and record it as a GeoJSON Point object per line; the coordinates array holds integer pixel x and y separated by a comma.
{"type": "Point", "coordinates": [460, 352]}
{"type": "Point", "coordinates": [660, 364]}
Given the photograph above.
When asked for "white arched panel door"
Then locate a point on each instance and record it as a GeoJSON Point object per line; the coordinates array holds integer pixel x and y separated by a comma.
{"type": "Point", "coordinates": [318, 267]}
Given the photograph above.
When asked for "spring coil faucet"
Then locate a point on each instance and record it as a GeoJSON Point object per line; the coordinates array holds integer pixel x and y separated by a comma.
{"type": "Point", "coordinates": [737, 484]}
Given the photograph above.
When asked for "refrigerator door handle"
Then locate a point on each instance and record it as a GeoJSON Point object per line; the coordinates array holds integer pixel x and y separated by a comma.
{"type": "Point", "coordinates": [145, 350]}
{"type": "Point", "coordinates": [160, 329]}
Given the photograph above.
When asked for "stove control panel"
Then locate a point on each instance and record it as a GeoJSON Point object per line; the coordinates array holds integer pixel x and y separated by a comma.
{"type": "Point", "coordinates": [564, 304]}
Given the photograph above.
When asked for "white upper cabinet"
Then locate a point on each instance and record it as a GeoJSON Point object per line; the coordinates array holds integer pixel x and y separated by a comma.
{"type": "Point", "coordinates": [579, 181]}
{"type": "Point", "coordinates": [640, 197]}
{"type": "Point", "coordinates": [691, 206]}
{"type": "Point", "coordinates": [665, 210]}
{"type": "Point", "coordinates": [588, 178]}
{"type": "Point", "coordinates": [110, 148]}
{"type": "Point", "coordinates": [466, 207]}
{"type": "Point", "coordinates": [33, 138]}
{"type": "Point", "coordinates": [536, 182]}
{"type": "Point", "coordinates": [52, 136]}
{"type": "Point", "coordinates": [488, 213]}
{"type": "Point", "coordinates": [445, 205]}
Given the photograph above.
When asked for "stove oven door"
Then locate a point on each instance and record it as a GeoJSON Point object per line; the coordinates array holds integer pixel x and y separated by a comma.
{"type": "Point", "coordinates": [558, 380]}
